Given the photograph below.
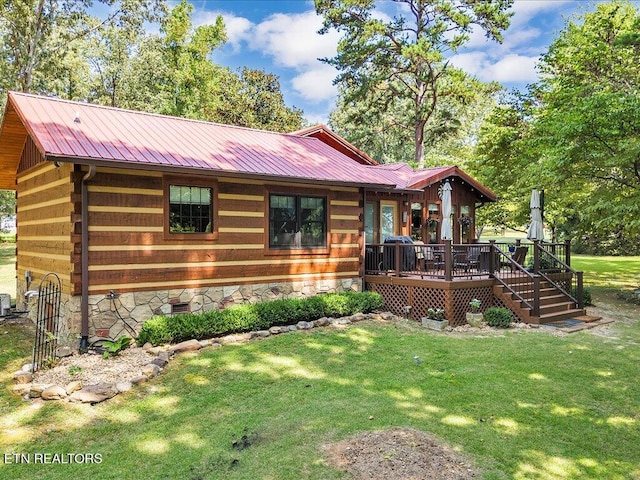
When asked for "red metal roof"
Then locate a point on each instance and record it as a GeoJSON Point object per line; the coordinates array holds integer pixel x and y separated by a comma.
{"type": "Point", "coordinates": [85, 133]}
{"type": "Point", "coordinates": [406, 178]}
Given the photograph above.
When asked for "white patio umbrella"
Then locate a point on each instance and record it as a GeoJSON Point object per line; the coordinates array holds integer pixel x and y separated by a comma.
{"type": "Point", "coordinates": [446, 232]}
{"type": "Point", "coordinates": [536, 231]}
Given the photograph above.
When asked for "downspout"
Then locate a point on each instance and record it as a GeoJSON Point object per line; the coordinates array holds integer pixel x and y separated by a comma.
{"type": "Point", "coordinates": [84, 260]}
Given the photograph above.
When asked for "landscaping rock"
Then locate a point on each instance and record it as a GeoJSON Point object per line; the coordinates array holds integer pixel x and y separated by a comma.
{"type": "Point", "coordinates": [36, 390]}
{"type": "Point", "coordinates": [147, 346]}
{"type": "Point", "coordinates": [161, 362]}
{"type": "Point", "coordinates": [358, 317]}
{"type": "Point", "coordinates": [291, 328]}
{"type": "Point", "coordinates": [122, 387]}
{"type": "Point", "coordinates": [322, 322]}
{"type": "Point", "coordinates": [64, 352]}
{"type": "Point", "coordinates": [150, 370]}
{"type": "Point", "coordinates": [261, 334]}
{"type": "Point", "coordinates": [94, 393]}
{"type": "Point", "coordinates": [187, 346]}
{"type": "Point", "coordinates": [73, 387]}
{"type": "Point", "coordinates": [27, 367]}
{"type": "Point", "coordinates": [165, 355]}
{"type": "Point", "coordinates": [239, 338]}
{"type": "Point", "coordinates": [304, 325]}
{"type": "Point", "coordinates": [277, 330]}
{"type": "Point", "coordinates": [21, 388]}
{"type": "Point", "coordinates": [140, 379]}
{"type": "Point", "coordinates": [339, 321]}
{"type": "Point", "coordinates": [386, 316]}
{"type": "Point", "coordinates": [56, 392]}
{"type": "Point", "coordinates": [23, 377]}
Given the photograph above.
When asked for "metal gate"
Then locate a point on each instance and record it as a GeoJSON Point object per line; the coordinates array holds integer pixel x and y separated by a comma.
{"type": "Point", "coordinates": [47, 321]}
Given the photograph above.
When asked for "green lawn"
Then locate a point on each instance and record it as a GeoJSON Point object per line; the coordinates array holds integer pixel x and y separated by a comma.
{"type": "Point", "coordinates": [608, 272]}
{"type": "Point", "coordinates": [522, 405]}
{"type": "Point", "coordinates": [8, 269]}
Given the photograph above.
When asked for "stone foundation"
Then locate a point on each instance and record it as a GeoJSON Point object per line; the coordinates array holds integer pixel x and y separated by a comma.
{"type": "Point", "coordinates": [111, 316]}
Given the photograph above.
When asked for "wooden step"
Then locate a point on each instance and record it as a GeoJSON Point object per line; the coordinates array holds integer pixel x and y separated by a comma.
{"type": "Point", "coordinates": [554, 317]}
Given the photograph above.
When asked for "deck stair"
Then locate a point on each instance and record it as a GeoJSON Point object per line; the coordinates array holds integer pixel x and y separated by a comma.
{"type": "Point", "coordinates": [554, 304]}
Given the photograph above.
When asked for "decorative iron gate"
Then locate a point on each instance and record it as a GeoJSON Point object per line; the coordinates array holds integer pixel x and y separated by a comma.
{"type": "Point", "coordinates": [48, 316]}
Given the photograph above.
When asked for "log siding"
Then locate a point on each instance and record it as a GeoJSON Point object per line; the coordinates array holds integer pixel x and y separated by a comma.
{"type": "Point", "coordinates": [130, 250]}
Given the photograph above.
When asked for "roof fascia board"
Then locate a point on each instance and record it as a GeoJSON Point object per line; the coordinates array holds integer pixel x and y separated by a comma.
{"type": "Point", "coordinates": [210, 172]}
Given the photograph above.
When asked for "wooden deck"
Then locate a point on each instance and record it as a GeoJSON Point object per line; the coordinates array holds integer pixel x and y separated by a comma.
{"type": "Point", "coordinates": [450, 276]}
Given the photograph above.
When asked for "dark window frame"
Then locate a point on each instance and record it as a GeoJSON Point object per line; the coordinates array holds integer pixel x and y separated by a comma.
{"type": "Point", "coordinates": [298, 223]}
{"type": "Point", "coordinates": [194, 183]}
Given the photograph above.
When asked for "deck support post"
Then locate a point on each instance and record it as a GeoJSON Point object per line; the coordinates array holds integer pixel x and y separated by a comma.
{"type": "Point", "coordinates": [448, 261]}
{"type": "Point", "coordinates": [536, 257]}
{"type": "Point", "coordinates": [493, 255]}
{"type": "Point", "coordinates": [567, 252]}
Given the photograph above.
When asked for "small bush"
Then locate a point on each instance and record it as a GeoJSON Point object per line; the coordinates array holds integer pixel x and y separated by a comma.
{"type": "Point", "coordinates": [499, 317]}
{"type": "Point", "coordinates": [244, 318]}
{"type": "Point", "coordinates": [155, 331]}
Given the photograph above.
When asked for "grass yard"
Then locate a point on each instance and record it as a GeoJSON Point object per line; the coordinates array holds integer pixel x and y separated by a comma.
{"type": "Point", "coordinates": [8, 269]}
{"type": "Point", "coordinates": [521, 404]}
{"type": "Point", "coordinates": [608, 272]}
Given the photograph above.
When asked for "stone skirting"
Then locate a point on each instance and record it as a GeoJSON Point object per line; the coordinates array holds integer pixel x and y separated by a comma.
{"type": "Point", "coordinates": [114, 315]}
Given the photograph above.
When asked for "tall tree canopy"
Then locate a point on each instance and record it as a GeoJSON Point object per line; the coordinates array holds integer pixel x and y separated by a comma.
{"type": "Point", "coordinates": [579, 137]}
{"type": "Point", "coordinates": [36, 34]}
{"type": "Point", "coordinates": [57, 48]}
{"type": "Point", "coordinates": [402, 60]}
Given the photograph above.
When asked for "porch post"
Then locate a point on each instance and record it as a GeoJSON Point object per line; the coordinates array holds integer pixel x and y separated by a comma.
{"type": "Point", "coordinates": [567, 252]}
{"type": "Point", "coordinates": [536, 256]}
{"type": "Point", "coordinates": [493, 254]}
{"type": "Point", "coordinates": [448, 261]}
{"type": "Point", "coordinates": [397, 258]}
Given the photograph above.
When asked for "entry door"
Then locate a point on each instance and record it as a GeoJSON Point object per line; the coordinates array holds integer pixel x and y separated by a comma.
{"type": "Point", "coordinates": [388, 219]}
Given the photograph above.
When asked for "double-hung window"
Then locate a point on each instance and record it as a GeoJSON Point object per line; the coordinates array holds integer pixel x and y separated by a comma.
{"type": "Point", "coordinates": [190, 209]}
{"type": "Point", "coordinates": [297, 221]}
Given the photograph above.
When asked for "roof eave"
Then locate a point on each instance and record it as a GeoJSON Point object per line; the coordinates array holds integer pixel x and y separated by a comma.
{"type": "Point", "coordinates": [110, 163]}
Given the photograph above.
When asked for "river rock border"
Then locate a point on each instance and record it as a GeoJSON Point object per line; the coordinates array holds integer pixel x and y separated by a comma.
{"type": "Point", "coordinates": [75, 391]}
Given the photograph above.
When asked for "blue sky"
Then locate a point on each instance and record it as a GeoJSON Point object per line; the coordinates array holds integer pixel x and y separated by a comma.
{"type": "Point", "coordinates": [280, 37]}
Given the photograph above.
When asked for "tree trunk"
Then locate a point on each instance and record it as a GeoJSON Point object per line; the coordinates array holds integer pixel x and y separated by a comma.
{"type": "Point", "coordinates": [419, 143]}
{"type": "Point", "coordinates": [26, 76]}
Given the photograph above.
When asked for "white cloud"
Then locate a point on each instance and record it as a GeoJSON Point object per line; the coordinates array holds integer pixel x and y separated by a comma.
{"type": "Point", "coordinates": [316, 84]}
{"type": "Point", "coordinates": [508, 69]}
{"type": "Point", "coordinates": [292, 40]}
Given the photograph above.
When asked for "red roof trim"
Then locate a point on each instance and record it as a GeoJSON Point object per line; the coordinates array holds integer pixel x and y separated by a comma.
{"type": "Point", "coordinates": [321, 131]}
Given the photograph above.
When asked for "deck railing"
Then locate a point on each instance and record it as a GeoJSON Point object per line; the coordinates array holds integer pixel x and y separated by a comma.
{"type": "Point", "coordinates": [548, 262]}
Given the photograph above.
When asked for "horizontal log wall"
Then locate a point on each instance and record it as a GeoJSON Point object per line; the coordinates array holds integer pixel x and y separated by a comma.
{"type": "Point", "coordinates": [130, 251]}
{"type": "Point", "coordinates": [45, 213]}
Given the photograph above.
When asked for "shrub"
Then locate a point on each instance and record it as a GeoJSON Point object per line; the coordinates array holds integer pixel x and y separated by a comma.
{"type": "Point", "coordinates": [498, 317]}
{"type": "Point", "coordinates": [244, 318]}
{"type": "Point", "coordinates": [155, 331]}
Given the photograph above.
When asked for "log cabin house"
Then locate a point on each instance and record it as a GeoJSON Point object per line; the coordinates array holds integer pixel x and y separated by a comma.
{"type": "Point", "coordinates": [140, 214]}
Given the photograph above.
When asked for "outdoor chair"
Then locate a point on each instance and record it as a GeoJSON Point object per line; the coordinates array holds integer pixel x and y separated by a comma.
{"type": "Point", "coordinates": [468, 259]}
{"type": "Point", "coordinates": [518, 257]}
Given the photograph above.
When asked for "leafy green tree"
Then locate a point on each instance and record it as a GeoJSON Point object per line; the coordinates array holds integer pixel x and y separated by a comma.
{"type": "Point", "coordinates": [589, 118]}
{"type": "Point", "coordinates": [403, 59]}
{"type": "Point", "coordinates": [35, 34]}
{"type": "Point", "coordinates": [191, 83]}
